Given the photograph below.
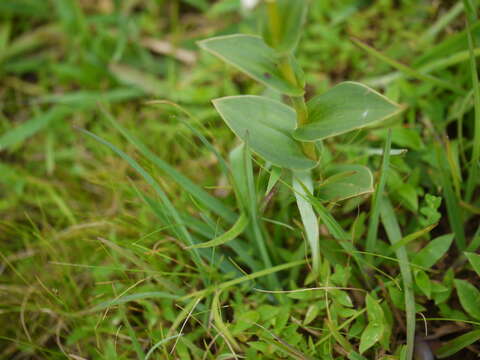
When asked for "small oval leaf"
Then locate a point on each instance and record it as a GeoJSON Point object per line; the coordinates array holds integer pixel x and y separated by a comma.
{"type": "Point", "coordinates": [345, 181]}
{"type": "Point", "coordinates": [347, 106]}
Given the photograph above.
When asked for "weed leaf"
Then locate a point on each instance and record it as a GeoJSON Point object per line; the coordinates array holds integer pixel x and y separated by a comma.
{"type": "Point", "coordinates": [349, 181]}
{"type": "Point", "coordinates": [431, 253]}
{"type": "Point", "coordinates": [251, 55]}
{"type": "Point", "coordinates": [469, 297]}
{"type": "Point", "coordinates": [346, 107]}
{"type": "Point", "coordinates": [267, 125]}
{"type": "Point", "coordinates": [474, 260]}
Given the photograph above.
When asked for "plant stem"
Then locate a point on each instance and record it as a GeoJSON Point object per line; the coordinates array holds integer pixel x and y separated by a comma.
{"type": "Point", "coordinates": [274, 22]}
{"type": "Point", "coordinates": [286, 69]}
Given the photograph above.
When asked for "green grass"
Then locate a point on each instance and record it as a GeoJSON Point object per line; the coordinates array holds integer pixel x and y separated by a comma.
{"type": "Point", "coordinates": [105, 197]}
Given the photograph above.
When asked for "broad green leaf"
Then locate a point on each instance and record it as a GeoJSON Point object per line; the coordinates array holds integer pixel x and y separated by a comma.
{"type": "Point", "coordinates": [469, 298]}
{"type": "Point", "coordinates": [431, 253]}
{"type": "Point", "coordinates": [292, 16]}
{"type": "Point", "coordinates": [474, 260]}
{"type": "Point", "coordinates": [346, 107]}
{"type": "Point", "coordinates": [231, 234]}
{"type": "Point", "coordinates": [457, 344]}
{"type": "Point", "coordinates": [267, 126]}
{"type": "Point", "coordinates": [345, 181]}
{"type": "Point", "coordinates": [254, 57]}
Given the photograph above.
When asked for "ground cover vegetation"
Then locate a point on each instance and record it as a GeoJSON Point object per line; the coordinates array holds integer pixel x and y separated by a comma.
{"type": "Point", "coordinates": [202, 180]}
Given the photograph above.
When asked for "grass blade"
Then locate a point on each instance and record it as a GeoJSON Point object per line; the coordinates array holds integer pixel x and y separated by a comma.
{"type": "Point", "coordinates": [377, 198]}
{"type": "Point", "coordinates": [133, 336]}
{"type": "Point", "coordinates": [201, 195]}
{"type": "Point", "coordinates": [242, 174]}
{"type": "Point", "coordinates": [474, 163]}
{"type": "Point", "coordinates": [394, 234]}
{"type": "Point", "coordinates": [303, 186]}
{"type": "Point", "coordinates": [170, 210]}
{"type": "Point", "coordinates": [457, 344]}
{"type": "Point", "coordinates": [231, 234]}
{"type": "Point", "coordinates": [454, 210]}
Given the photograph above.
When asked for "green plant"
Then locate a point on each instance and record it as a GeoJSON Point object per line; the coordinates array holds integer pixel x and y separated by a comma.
{"type": "Point", "coordinates": [289, 136]}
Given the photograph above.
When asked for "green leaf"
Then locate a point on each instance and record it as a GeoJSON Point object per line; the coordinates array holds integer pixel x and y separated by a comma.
{"type": "Point", "coordinates": [431, 253]}
{"type": "Point", "coordinates": [423, 282]}
{"type": "Point", "coordinates": [346, 107]}
{"type": "Point", "coordinates": [345, 181]}
{"type": "Point", "coordinates": [231, 234]}
{"type": "Point", "coordinates": [267, 126]}
{"type": "Point", "coordinates": [474, 260]}
{"type": "Point", "coordinates": [303, 186]}
{"type": "Point", "coordinates": [292, 16]}
{"type": "Point", "coordinates": [407, 196]}
{"type": "Point", "coordinates": [469, 298]}
{"type": "Point", "coordinates": [371, 335]}
{"type": "Point", "coordinates": [254, 57]}
{"type": "Point", "coordinates": [406, 137]}
{"type": "Point", "coordinates": [375, 328]}
{"type": "Point", "coordinates": [457, 344]}
{"type": "Point", "coordinates": [244, 320]}
{"type": "Point", "coordinates": [312, 312]}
